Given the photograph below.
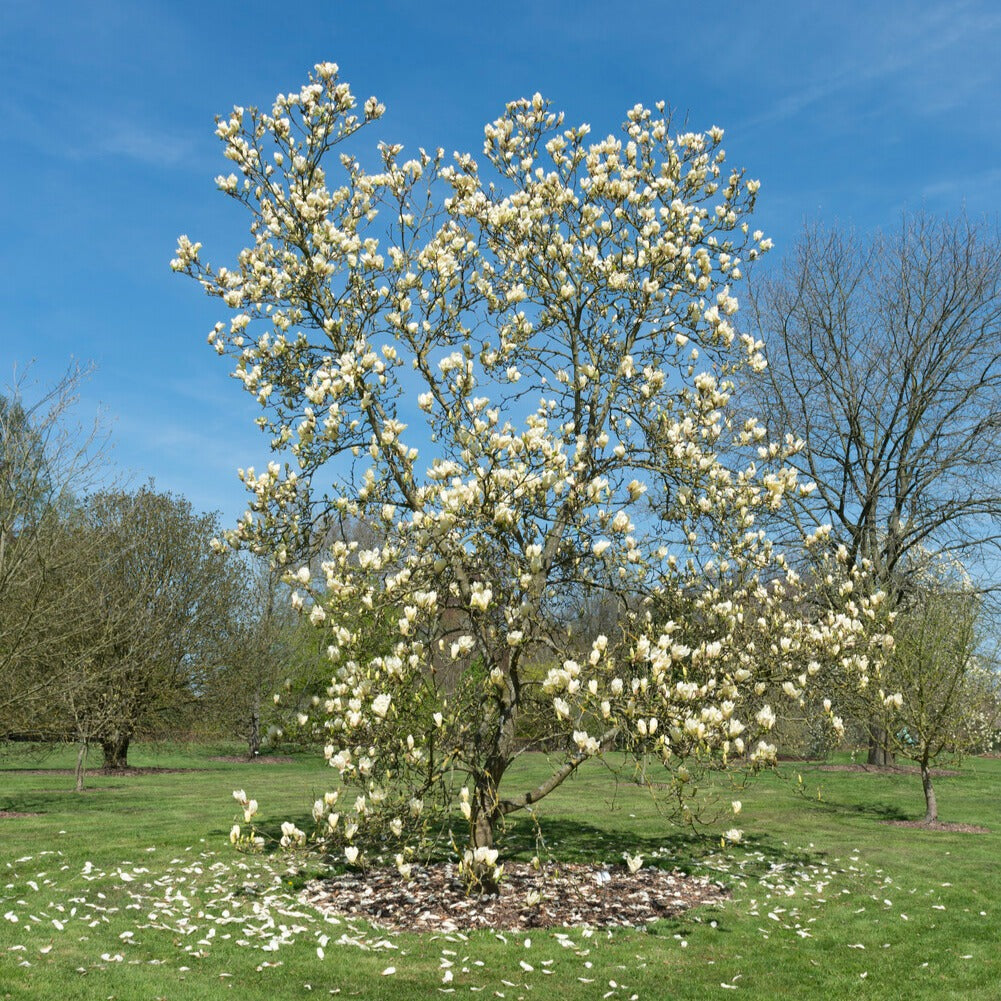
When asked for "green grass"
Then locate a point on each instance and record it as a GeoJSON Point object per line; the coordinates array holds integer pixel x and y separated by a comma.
{"type": "Point", "coordinates": [131, 890]}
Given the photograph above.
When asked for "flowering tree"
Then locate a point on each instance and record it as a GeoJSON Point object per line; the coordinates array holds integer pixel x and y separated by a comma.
{"type": "Point", "coordinates": [519, 369]}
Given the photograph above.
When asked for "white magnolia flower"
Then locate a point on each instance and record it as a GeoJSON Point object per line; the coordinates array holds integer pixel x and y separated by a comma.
{"type": "Point", "coordinates": [765, 718]}
{"type": "Point", "coordinates": [485, 856]}
{"type": "Point", "coordinates": [479, 599]}
{"type": "Point", "coordinates": [633, 862]}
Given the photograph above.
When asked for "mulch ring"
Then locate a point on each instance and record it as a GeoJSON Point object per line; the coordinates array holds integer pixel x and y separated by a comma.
{"type": "Point", "coordinates": [575, 895]}
{"type": "Point", "coordinates": [260, 759]}
{"type": "Point", "coordinates": [939, 825]}
{"type": "Point", "coordinates": [101, 771]}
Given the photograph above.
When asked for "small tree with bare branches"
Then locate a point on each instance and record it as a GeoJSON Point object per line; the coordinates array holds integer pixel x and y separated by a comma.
{"type": "Point", "coordinates": [45, 459]}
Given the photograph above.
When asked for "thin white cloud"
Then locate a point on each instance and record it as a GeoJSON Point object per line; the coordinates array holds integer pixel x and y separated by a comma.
{"type": "Point", "coordinates": [87, 138]}
{"type": "Point", "coordinates": [149, 146]}
{"type": "Point", "coordinates": [963, 184]}
{"type": "Point", "coordinates": [907, 46]}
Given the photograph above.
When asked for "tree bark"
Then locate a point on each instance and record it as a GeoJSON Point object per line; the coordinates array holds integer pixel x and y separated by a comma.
{"type": "Point", "coordinates": [483, 830]}
{"type": "Point", "coordinates": [81, 764]}
{"type": "Point", "coordinates": [254, 733]}
{"type": "Point", "coordinates": [486, 814]}
{"type": "Point", "coordinates": [931, 805]}
{"type": "Point", "coordinates": [880, 754]}
{"type": "Point", "coordinates": [116, 750]}
{"type": "Point", "coordinates": [486, 882]}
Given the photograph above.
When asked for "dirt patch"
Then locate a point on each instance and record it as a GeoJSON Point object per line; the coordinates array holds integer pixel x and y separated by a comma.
{"type": "Point", "coordinates": [261, 759]}
{"type": "Point", "coordinates": [939, 825]}
{"type": "Point", "coordinates": [889, 770]}
{"type": "Point", "coordinates": [434, 899]}
{"type": "Point", "coordinates": [140, 771]}
{"type": "Point", "coordinates": [7, 814]}
{"type": "Point", "coordinates": [100, 771]}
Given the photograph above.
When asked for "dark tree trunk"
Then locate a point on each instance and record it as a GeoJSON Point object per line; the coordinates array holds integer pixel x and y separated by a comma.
{"type": "Point", "coordinates": [931, 805]}
{"type": "Point", "coordinates": [81, 764]}
{"type": "Point", "coordinates": [486, 815]}
{"type": "Point", "coordinates": [880, 754]}
{"type": "Point", "coordinates": [116, 750]}
{"type": "Point", "coordinates": [254, 732]}
{"type": "Point", "coordinates": [483, 837]}
{"type": "Point", "coordinates": [483, 830]}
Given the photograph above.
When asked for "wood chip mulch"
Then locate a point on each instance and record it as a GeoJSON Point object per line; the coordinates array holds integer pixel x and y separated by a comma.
{"type": "Point", "coordinates": [940, 825]}
{"type": "Point", "coordinates": [258, 759]}
{"type": "Point", "coordinates": [572, 895]}
{"type": "Point", "coordinates": [114, 772]}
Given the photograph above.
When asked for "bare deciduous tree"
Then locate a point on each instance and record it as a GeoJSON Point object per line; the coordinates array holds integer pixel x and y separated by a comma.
{"type": "Point", "coordinates": [45, 459]}
{"type": "Point", "coordinates": [885, 359]}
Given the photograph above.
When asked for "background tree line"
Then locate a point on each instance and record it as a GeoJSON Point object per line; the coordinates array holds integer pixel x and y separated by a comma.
{"type": "Point", "coordinates": [118, 619]}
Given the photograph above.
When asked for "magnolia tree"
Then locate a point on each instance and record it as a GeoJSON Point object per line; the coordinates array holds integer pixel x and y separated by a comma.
{"type": "Point", "coordinates": [516, 368]}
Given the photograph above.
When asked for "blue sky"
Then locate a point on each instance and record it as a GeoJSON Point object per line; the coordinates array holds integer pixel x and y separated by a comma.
{"type": "Point", "coordinates": [848, 113]}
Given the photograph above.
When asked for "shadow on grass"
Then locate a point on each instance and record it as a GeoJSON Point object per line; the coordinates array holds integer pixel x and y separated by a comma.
{"type": "Point", "coordinates": [832, 798]}
{"type": "Point", "coordinates": [575, 841]}
{"type": "Point", "coordinates": [37, 801]}
{"type": "Point", "coordinates": [34, 802]}
{"type": "Point", "coordinates": [570, 840]}
{"type": "Point", "coordinates": [881, 811]}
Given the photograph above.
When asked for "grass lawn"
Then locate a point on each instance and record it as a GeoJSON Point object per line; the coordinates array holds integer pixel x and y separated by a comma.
{"type": "Point", "coordinates": [130, 890]}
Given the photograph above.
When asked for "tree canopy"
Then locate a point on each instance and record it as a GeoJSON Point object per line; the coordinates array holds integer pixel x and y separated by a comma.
{"type": "Point", "coordinates": [161, 606]}
{"type": "Point", "coordinates": [519, 368]}
{"type": "Point", "coordinates": [885, 360]}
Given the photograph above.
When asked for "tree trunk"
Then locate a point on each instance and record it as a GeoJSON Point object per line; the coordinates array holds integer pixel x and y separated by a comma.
{"type": "Point", "coordinates": [81, 764]}
{"type": "Point", "coordinates": [880, 754]}
{"type": "Point", "coordinates": [486, 815]}
{"type": "Point", "coordinates": [116, 750]}
{"type": "Point", "coordinates": [483, 830]}
{"type": "Point", "coordinates": [483, 837]}
{"type": "Point", "coordinates": [931, 805]}
{"type": "Point", "coordinates": [254, 733]}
